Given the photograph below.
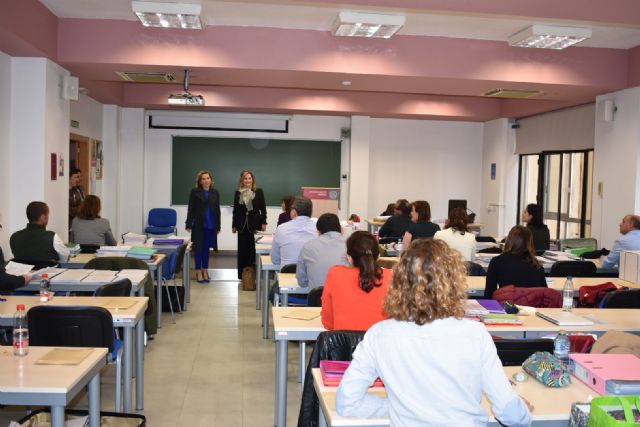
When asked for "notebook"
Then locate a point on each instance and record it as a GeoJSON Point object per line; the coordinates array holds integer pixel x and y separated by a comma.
{"type": "Point", "coordinates": [564, 318]}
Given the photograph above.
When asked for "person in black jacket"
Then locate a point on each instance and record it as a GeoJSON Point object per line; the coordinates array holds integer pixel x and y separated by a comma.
{"type": "Point", "coordinates": [517, 265]}
{"type": "Point", "coordinates": [203, 221]}
{"type": "Point", "coordinates": [249, 216]}
{"type": "Point", "coordinates": [395, 227]}
{"type": "Point", "coordinates": [532, 216]}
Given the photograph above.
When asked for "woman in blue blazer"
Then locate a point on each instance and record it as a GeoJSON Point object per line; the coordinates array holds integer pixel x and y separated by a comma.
{"type": "Point", "coordinates": [203, 221]}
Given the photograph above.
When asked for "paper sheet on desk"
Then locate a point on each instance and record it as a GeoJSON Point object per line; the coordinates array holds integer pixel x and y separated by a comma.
{"type": "Point", "coordinates": [119, 305]}
{"type": "Point", "coordinates": [302, 315]}
{"type": "Point", "coordinates": [65, 356]}
{"type": "Point", "coordinates": [17, 268]}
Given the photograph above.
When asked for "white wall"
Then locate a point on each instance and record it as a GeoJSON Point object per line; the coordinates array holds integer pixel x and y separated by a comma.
{"type": "Point", "coordinates": [131, 164]}
{"type": "Point", "coordinates": [424, 160]}
{"type": "Point", "coordinates": [109, 186]}
{"type": "Point", "coordinates": [5, 121]}
{"type": "Point", "coordinates": [500, 196]}
{"type": "Point", "coordinates": [616, 165]}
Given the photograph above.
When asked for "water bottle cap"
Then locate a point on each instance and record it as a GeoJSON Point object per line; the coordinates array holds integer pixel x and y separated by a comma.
{"type": "Point", "coordinates": [20, 307]}
{"type": "Point", "coordinates": [45, 276]}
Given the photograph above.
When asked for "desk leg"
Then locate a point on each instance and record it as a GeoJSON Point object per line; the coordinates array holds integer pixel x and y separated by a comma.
{"type": "Point", "coordinates": [159, 295]}
{"type": "Point", "coordinates": [265, 306]}
{"type": "Point", "coordinates": [128, 365]}
{"type": "Point", "coordinates": [281, 383]}
{"type": "Point", "coordinates": [285, 299]}
{"type": "Point", "coordinates": [302, 360]}
{"type": "Point", "coordinates": [94, 401]}
{"type": "Point", "coordinates": [186, 278]}
{"type": "Point", "coordinates": [321, 421]}
{"type": "Point", "coordinates": [57, 416]}
{"type": "Point", "coordinates": [258, 281]}
{"type": "Point", "coordinates": [140, 364]}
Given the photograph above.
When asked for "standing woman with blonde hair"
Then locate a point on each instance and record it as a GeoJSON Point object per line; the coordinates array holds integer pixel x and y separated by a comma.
{"type": "Point", "coordinates": [203, 221]}
{"type": "Point", "coordinates": [249, 216]}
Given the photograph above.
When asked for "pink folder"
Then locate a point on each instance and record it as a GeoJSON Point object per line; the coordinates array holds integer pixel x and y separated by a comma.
{"type": "Point", "coordinates": [595, 369]}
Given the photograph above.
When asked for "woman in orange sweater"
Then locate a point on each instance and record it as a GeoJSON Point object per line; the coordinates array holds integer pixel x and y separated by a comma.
{"type": "Point", "coordinates": [352, 297]}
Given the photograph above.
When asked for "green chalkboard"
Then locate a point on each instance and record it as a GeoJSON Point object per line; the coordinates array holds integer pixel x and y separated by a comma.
{"type": "Point", "coordinates": [281, 166]}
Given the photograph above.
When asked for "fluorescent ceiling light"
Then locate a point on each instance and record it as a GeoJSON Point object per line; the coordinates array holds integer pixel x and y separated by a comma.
{"type": "Point", "coordinates": [357, 24]}
{"type": "Point", "coordinates": [549, 36]}
{"type": "Point", "coordinates": [168, 15]}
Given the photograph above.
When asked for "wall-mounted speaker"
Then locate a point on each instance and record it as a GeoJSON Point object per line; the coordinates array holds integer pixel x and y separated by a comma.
{"type": "Point", "coordinates": [608, 110]}
{"type": "Point", "coordinates": [70, 87]}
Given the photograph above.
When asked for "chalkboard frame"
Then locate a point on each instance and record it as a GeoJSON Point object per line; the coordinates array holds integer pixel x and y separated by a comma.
{"type": "Point", "coordinates": [281, 166]}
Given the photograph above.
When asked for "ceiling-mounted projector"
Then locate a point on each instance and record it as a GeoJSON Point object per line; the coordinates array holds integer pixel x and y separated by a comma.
{"type": "Point", "coordinates": [186, 98]}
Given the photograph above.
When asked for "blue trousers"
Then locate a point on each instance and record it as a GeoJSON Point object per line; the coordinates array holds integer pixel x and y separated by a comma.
{"type": "Point", "coordinates": [202, 256]}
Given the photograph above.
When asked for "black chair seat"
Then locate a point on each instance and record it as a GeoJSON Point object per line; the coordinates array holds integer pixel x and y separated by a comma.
{"type": "Point", "coordinates": [573, 268]}
{"type": "Point", "coordinates": [622, 299]}
{"type": "Point", "coordinates": [513, 352]}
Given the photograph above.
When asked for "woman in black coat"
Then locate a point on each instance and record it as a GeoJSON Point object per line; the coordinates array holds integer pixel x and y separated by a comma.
{"type": "Point", "coordinates": [249, 216]}
{"type": "Point", "coordinates": [203, 221]}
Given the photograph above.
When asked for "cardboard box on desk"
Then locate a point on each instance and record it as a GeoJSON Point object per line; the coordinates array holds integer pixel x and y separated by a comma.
{"type": "Point", "coordinates": [629, 268]}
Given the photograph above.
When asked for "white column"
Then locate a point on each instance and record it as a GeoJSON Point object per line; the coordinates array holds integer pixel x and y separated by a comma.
{"type": "Point", "coordinates": [359, 167]}
{"type": "Point", "coordinates": [131, 215]}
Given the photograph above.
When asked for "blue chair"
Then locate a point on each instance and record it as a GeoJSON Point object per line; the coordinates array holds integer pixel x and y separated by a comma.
{"type": "Point", "coordinates": [171, 268]}
{"type": "Point", "coordinates": [161, 221]}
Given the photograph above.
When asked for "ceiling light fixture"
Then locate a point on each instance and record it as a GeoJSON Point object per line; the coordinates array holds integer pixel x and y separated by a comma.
{"type": "Point", "coordinates": [358, 24]}
{"type": "Point", "coordinates": [168, 15]}
{"type": "Point", "coordinates": [549, 36]}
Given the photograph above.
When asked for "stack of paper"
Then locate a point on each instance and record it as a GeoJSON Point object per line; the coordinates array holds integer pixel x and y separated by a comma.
{"type": "Point", "coordinates": [473, 308]}
{"type": "Point", "coordinates": [50, 271]}
{"type": "Point", "coordinates": [71, 276]}
{"type": "Point", "coordinates": [332, 372]}
{"type": "Point", "coordinates": [168, 241]}
{"type": "Point", "coordinates": [100, 276]}
{"type": "Point", "coordinates": [141, 252]}
{"type": "Point", "coordinates": [74, 248]}
{"type": "Point", "coordinates": [134, 239]}
{"type": "Point", "coordinates": [113, 251]}
{"type": "Point", "coordinates": [136, 276]}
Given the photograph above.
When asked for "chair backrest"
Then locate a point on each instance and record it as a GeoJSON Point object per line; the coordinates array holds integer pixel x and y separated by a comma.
{"type": "Point", "coordinates": [314, 298]}
{"type": "Point", "coordinates": [116, 263]}
{"type": "Point", "coordinates": [330, 345]}
{"type": "Point", "coordinates": [486, 239]}
{"type": "Point", "coordinates": [475, 269]}
{"type": "Point", "coordinates": [169, 266]}
{"type": "Point", "coordinates": [88, 248]}
{"type": "Point", "coordinates": [181, 251]}
{"type": "Point", "coordinates": [117, 288]}
{"type": "Point", "coordinates": [37, 263]}
{"type": "Point", "coordinates": [2, 257]}
{"type": "Point", "coordinates": [513, 352]}
{"type": "Point", "coordinates": [622, 299]}
{"type": "Point", "coordinates": [573, 268]}
{"type": "Point", "coordinates": [587, 242]}
{"type": "Point", "coordinates": [490, 251]}
{"type": "Point", "coordinates": [288, 268]}
{"type": "Point", "coordinates": [70, 327]}
{"type": "Point", "coordinates": [162, 217]}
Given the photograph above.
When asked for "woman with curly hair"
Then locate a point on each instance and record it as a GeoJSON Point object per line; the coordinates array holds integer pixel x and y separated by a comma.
{"type": "Point", "coordinates": [352, 296]}
{"type": "Point", "coordinates": [435, 364]}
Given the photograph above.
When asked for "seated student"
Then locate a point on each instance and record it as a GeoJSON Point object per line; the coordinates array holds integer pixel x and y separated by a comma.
{"type": "Point", "coordinates": [36, 243]}
{"type": "Point", "coordinates": [9, 282]}
{"type": "Point", "coordinates": [517, 265]}
{"type": "Point", "coordinates": [630, 240]}
{"type": "Point", "coordinates": [320, 254]}
{"type": "Point", "coordinates": [532, 217]}
{"type": "Point", "coordinates": [285, 204]}
{"type": "Point", "coordinates": [352, 296]}
{"type": "Point", "coordinates": [457, 235]}
{"type": "Point", "coordinates": [395, 226]}
{"type": "Point", "coordinates": [422, 226]}
{"type": "Point", "coordinates": [89, 228]}
{"type": "Point", "coordinates": [389, 211]}
{"type": "Point", "coordinates": [435, 364]}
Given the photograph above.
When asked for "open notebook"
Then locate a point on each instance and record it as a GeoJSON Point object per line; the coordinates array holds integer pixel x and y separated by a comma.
{"type": "Point", "coordinates": [564, 318]}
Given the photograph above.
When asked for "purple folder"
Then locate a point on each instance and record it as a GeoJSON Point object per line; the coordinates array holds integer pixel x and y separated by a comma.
{"type": "Point", "coordinates": [492, 305]}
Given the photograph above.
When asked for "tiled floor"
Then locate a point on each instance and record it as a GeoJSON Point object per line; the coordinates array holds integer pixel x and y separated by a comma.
{"type": "Point", "coordinates": [212, 368]}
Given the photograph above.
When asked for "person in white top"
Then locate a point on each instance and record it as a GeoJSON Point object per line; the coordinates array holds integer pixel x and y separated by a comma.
{"type": "Point", "coordinates": [435, 364]}
{"type": "Point", "coordinates": [457, 235]}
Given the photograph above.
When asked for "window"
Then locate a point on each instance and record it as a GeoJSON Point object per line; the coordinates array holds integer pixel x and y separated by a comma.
{"type": "Point", "coordinates": [561, 183]}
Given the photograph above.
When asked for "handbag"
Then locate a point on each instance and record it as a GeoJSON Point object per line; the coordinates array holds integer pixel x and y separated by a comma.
{"type": "Point", "coordinates": [249, 278]}
{"type": "Point", "coordinates": [615, 411]}
{"type": "Point", "coordinates": [547, 369]}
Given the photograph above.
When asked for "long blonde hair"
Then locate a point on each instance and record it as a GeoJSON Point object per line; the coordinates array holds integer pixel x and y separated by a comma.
{"type": "Point", "coordinates": [253, 178]}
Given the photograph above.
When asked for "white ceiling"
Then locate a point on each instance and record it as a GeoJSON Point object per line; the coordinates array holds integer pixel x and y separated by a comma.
{"type": "Point", "coordinates": [282, 14]}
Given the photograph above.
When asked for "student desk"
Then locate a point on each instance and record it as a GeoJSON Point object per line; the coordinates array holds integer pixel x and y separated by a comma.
{"type": "Point", "coordinates": [476, 284]}
{"type": "Point", "coordinates": [267, 266]}
{"type": "Point", "coordinates": [286, 330]}
{"type": "Point", "coordinates": [129, 319]}
{"type": "Point", "coordinates": [261, 249]}
{"type": "Point", "coordinates": [86, 285]}
{"type": "Point", "coordinates": [289, 285]}
{"type": "Point", "coordinates": [551, 406]}
{"type": "Point", "coordinates": [154, 264]}
{"type": "Point", "coordinates": [23, 382]}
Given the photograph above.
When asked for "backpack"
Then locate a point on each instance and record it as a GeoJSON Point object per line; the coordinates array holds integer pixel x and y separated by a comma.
{"type": "Point", "coordinates": [591, 296]}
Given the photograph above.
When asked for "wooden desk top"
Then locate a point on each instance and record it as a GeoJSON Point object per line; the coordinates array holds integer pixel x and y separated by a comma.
{"type": "Point", "coordinates": [23, 375]}
{"type": "Point", "coordinates": [287, 280]}
{"type": "Point", "coordinates": [603, 319]}
{"type": "Point", "coordinates": [8, 307]}
{"type": "Point", "coordinates": [548, 403]}
{"type": "Point", "coordinates": [267, 264]}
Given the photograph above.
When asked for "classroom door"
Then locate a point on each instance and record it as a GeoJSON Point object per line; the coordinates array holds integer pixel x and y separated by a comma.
{"type": "Point", "coordinates": [80, 157]}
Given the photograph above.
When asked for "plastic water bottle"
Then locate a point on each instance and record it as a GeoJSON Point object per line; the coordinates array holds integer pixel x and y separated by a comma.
{"type": "Point", "coordinates": [567, 295]}
{"type": "Point", "coordinates": [399, 246]}
{"type": "Point", "coordinates": [20, 332]}
{"type": "Point", "coordinates": [561, 347]}
{"type": "Point", "coordinates": [45, 288]}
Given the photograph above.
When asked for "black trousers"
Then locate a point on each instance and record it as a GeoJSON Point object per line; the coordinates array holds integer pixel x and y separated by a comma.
{"type": "Point", "coordinates": [246, 250]}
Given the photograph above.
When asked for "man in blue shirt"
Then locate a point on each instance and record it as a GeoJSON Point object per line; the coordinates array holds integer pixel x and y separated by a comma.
{"type": "Point", "coordinates": [630, 241]}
